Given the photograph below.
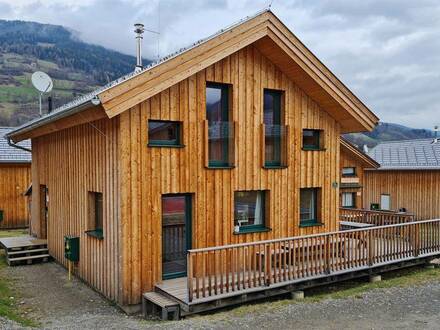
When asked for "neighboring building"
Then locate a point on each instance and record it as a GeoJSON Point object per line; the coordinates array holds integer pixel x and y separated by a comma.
{"type": "Point", "coordinates": [15, 177]}
{"type": "Point", "coordinates": [235, 139]}
{"type": "Point", "coordinates": [408, 178]}
{"type": "Point", "coordinates": [353, 164]}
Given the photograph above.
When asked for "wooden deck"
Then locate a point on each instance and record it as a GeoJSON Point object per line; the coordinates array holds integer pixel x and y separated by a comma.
{"type": "Point", "coordinates": [24, 249]}
{"type": "Point", "coordinates": [233, 274]}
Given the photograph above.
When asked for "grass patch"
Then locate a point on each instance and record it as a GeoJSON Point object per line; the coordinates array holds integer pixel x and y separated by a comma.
{"type": "Point", "coordinates": [8, 295]}
{"type": "Point", "coordinates": [348, 289]}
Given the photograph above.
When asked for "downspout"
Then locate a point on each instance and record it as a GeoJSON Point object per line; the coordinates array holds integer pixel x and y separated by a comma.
{"type": "Point", "coordinates": [12, 144]}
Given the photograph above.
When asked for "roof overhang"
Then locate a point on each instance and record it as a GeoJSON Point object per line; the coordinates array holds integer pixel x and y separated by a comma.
{"type": "Point", "coordinates": [355, 152]}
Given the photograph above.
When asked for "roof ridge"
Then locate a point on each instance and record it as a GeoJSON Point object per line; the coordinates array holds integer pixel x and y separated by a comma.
{"type": "Point", "coordinates": [405, 140]}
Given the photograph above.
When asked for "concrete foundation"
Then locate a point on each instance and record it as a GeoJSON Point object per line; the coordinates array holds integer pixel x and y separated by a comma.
{"type": "Point", "coordinates": [375, 278]}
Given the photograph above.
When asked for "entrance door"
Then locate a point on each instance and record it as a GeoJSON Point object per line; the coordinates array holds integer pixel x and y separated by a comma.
{"type": "Point", "coordinates": [176, 234]}
{"type": "Point", "coordinates": [44, 211]}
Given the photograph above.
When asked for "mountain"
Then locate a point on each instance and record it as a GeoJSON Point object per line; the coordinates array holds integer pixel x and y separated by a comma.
{"type": "Point", "coordinates": [75, 66]}
{"type": "Point", "coordinates": [388, 132]}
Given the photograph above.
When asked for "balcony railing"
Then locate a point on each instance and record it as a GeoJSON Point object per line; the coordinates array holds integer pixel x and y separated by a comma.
{"type": "Point", "coordinates": [376, 218]}
{"type": "Point", "coordinates": [275, 145]}
{"type": "Point", "coordinates": [239, 268]}
{"type": "Point", "coordinates": [219, 143]}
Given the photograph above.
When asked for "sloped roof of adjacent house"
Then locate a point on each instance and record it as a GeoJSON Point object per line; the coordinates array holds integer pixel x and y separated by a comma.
{"type": "Point", "coordinates": [417, 154]}
{"type": "Point", "coordinates": [351, 149]}
{"type": "Point", "coordinates": [10, 154]}
{"type": "Point", "coordinates": [272, 38]}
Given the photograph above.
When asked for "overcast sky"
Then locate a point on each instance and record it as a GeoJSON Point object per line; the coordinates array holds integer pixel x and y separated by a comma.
{"type": "Point", "coordinates": [386, 51]}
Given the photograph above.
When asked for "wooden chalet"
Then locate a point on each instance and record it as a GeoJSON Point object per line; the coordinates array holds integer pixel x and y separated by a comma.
{"type": "Point", "coordinates": [15, 177]}
{"type": "Point", "coordinates": [408, 178]}
{"type": "Point", "coordinates": [206, 178]}
{"type": "Point", "coordinates": [352, 166]}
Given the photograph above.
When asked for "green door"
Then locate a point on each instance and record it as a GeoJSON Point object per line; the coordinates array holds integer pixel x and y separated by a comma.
{"type": "Point", "coordinates": [176, 234]}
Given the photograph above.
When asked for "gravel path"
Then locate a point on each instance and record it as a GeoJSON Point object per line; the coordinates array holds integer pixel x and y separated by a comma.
{"type": "Point", "coordinates": [50, 299]}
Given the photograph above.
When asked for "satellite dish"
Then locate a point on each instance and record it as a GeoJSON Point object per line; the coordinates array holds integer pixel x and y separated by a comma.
{"type": "Point", "coordinates": [42, 82]}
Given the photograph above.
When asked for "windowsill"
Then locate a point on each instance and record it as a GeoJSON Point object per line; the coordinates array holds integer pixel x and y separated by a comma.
{"type": "Point", "coordinates": [158, 145]}
{"type": "Point", "coordinates": [96, 233]}
{"type": "Point", "coordinates": [220, 167]}
{"type": "Point", "coordinates": [310, 224]}
{"type": "Point", "coordinates": [275, 167]}
{"type": "Point", "coordinates": [349, 176]}
{"type": "Point", "coordinates": [252, 230]}
{"type": "Point", "coordinates": [313, 149]}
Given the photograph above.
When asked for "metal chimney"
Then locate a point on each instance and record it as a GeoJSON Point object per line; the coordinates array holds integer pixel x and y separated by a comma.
{"type": "Point", "coordinates": [365, 149]}
{"type": "Point", "coordinates": [139, 30]}
{"type": "Point", "coordinates": [435, 135]}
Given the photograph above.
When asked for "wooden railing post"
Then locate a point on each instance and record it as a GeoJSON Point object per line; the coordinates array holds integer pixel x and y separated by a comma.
{"type": "Point", "coordinates": [327, 254]}
{"type": "Point", "coordinates": [416, 240]}
{"type": "Point", "coordinates": [268, 264]}
{"type": "Point", "coordinates": [189, 276]}
{"type": "Point", "coordinates": [371, 251]}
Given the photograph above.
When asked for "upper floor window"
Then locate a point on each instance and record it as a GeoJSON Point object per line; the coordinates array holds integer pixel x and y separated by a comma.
{"type": "Point", "coordinates": [164, 133]}
{"type": "Point", "coordinates": [310, 206]}
{"type": "Point", "coordinates": [312, 139]}
{"type": "Point", "coordinates": [220, 129]}
{"type": "Point", "coordinates": [274, 131]}
{"type": "Point", "coordinates": [348, 171]}
{"type": "Point", "coordinates": [349, 199]}
{"type": "Point", "coordinates": [249, 211]}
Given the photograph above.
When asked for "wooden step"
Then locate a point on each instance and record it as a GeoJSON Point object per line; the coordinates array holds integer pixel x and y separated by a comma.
{"type": "Point", "coordinates": [10, 253]}
{"type": "Point", "coordinates": [29, 257]}
{"type": "Point", "coordinates": [154, 303]}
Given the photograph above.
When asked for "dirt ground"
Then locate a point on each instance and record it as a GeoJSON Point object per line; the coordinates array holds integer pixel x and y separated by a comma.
{"type": "Point", "coordinates": [47, 297]}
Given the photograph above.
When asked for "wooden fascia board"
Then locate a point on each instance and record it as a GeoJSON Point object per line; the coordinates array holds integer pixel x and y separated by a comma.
{"type": "Point", "coordinates": [352, 150]}
{"type": "Point", "coordinates": [328, 86]}
{"type": "Point", "coordinates": [88, 115]}
{"type": "Point", "coordinates": [158, 83]}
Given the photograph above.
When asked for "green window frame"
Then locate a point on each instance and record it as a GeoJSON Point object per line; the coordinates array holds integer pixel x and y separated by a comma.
{"type": "Point", "coordinates": [176, 130]}
{"type": "Point", "coordinates": [310, 205]}
{"type": "Point", "coordinates": [247, 208]}
{"type": "Point", "coordinates": [272, 121]}
{"type": "Point", "coordinates": [96, 215]}
{"type": "Point", "coordinates": [312, 139]}
{"type": "Point", "coordinates": [353, 199]}
{"type": "Point", "coordinates": [218, 121]}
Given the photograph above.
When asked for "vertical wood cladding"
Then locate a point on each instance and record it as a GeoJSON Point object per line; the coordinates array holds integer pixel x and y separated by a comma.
{"type": "Point", "coordinates": [70, 163]}
{"type": "Point", "coordinates": [348, 160]}
{"type": "Point", "coordinates": [147, 173]}
{"type": "Point", "coordinates": [14, 180]}
{"type": "Point", "coordinates": [417, 191]}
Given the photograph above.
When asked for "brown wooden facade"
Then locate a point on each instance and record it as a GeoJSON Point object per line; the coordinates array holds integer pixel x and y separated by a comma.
{"type": "Point", "coordinates": [354, 184]}
{"type": "Point", "coordinates": [105, 149]}
{"type": "Point", "coordinates": [415, 190]}
{"type": "Point", "coordinates": [14, 180]}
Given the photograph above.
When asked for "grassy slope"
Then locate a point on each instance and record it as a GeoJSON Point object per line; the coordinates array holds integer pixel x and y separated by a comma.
{"type": "Point", "coordinates": [8, 294]}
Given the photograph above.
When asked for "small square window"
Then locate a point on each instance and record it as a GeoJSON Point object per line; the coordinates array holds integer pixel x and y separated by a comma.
{"type": "Point", "coordinates": [249, 211]}
{"type": "Point", "coordinates": [309, 206]}
{"type": "Point", "coordinates": [95, 215]}
{"type": "Point", "coordinates": [348, 171]}
{"type": "Point", "coordinates": [312, 139]}
{"type": "Point", "coordinates": [163, 133]}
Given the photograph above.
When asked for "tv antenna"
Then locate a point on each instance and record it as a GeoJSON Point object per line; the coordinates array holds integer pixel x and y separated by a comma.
{"type": "Point", "coordinates": [43, 84]}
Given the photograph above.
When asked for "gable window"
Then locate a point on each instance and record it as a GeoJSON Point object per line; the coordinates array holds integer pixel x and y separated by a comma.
{"type": "Point", "coordinates": [249, 211]}
{"type": "Point", "coordinates": [349, 171]}
{"type": "Point", "coordinates": [309, 207]}
{"type": "Point", "coordinates": [385, 202]}
{"type": "Point", "coordinates": [274, 131]}
{"type": "Point", "coordinates": [220, 130]}
{"type": "Point", "coordinates": [95, 215]}
{"type": "Point", "coordinates": [349, 199]}
{"type": "Point", "coordinates": [312, 139]}
{"type": "Point", "coordinates": [164, 133]}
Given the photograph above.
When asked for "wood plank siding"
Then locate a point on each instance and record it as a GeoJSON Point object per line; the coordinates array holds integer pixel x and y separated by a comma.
{"type": "Point", "coordinates": [147, 173]}
{"type": "Point", "coordinates": [417, 191]}
{"type": "Point", "coordinates": [70, 163]}
{"type": "Point", "coordinates": [14, 180]}
{"type": "Point", "coordinates": [352, 184]}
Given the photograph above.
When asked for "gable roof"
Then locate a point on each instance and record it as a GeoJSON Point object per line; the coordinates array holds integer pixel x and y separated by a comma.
{"type": "Point", "coordinates": [417, 154]}
{"type": "Point", "coordinates": [273, 39]}
{"type": "Point", "coordinates": [352, 150]}
{"type": "Point", "coordinates": [10, 154]}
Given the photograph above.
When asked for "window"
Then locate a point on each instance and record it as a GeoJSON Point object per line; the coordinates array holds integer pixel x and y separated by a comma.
{"type": "Point", "coordinates": [348, 171]}
{"type": "Point", "coordinates": [385, 202]}
{"type": "Point", "coordinates": [249, 211]}
{"type": "Point", "coordinates": [220, 129]}
{"type": "Point", "coordinates": [312, 139]}
{"type": "Point", "coordinates": [95, 216]}
{"type": "Point", "coordinates": [309, 207]}
{"type": "Point", "coordinates": [274, 132]}
{"type": "Point", "coordinates": [163, 133]}
{"type": "Point", "coordinates": [349, 199]}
